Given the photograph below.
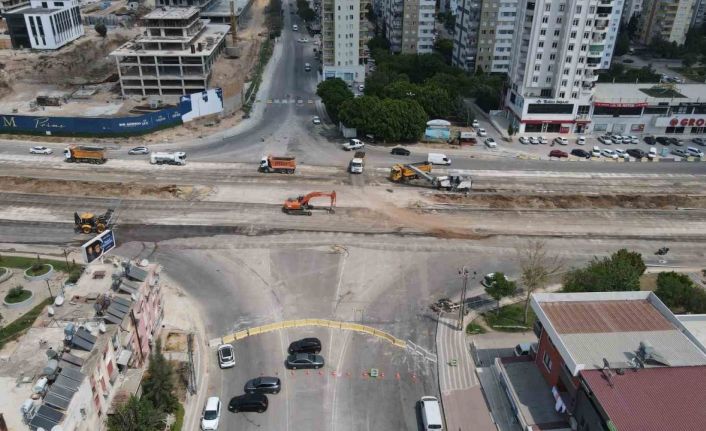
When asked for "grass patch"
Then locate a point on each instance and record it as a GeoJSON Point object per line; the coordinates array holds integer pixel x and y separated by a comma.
{"type": "Point", "coordinates": [179, 421]}
{"type": "Point", "coordinates": [473, 328]}
{"type": "Point", "coordinates": [658, 92]}
{"type": "Point", "coordinates": [23, 262]}
{"type": "Point", "coordinates": [17, 327]}
{"type": "Point", "coordinates": [17, 294]}
{"type": "Point", "coordinates": [510, 318]}
{"type": "Point", "coordinates": [648, 282]}
{"type": "Point", "coordinates": [37, 269]}
{"type": "Point", "coordinates": [697, 73]}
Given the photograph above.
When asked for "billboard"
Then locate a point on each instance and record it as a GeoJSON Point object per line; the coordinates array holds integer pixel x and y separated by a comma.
{"type": "Point", "coordinates": [98, 246]}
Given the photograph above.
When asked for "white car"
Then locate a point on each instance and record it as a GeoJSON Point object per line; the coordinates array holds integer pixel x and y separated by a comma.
{"type": "Point", "coordinates": [481, 132]}
{"type": "Point", "coordinates": [542, 140]}
{"type": "Point", "coordinates": [353, 144]}
{"type": "Point", "coordinates": [316, 120]}
{"type": "Point", "coordinates": [534, 141]}
{"type": "Point", "coordinates": [475, 124]}
{"type": "Point", "coordinates": [605, 140]}
{"type": "Point", "coordinates": [40, 150]}
{"type": "Point", "coordinates": [633, 139]}
{"type": "Point", "coordinates": [694, 152]}
{"type": "Point", "coordinates": [617, 139]}
{"type": "Point", "coordinates": [581, 140]}
{"type": "Point", "coordinates": [596, 152]}
{"type": "Point", "coordinates": [361, 87]}
{"type": "Point", "coordinates": [621, 153]}
{"type": "Point", "coordinates": [524, 141]}
{"type": "Point", "coordinates": [561, 140]}
{"type": "Point", "coordinates": [303, 40]}
{"type": "Point", "coordinates": [226, 356]}
{"type": "Point", "coordinates": [295, 27]}
{"type": "Point", "coordinates": [211, 414]}
{"type": "Point", "coordinates": [490, 143]}
{"type": "Point", "coordinates": [609, 153]}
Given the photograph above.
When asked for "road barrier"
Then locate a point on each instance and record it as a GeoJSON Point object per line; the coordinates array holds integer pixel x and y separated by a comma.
{"type": "Point", "coordinates": [333, 324]}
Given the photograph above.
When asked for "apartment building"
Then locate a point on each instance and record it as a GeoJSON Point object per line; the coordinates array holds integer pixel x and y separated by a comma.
{"type": "Point", "coordinates": [8, 5]}
{"type": "Point", "coordinates": [631, 8]}
{"type": "Point", "coordinates": [174, 56]}
{"type": "Point", "coordinates": [409, 25]}
{"type": "Point", "coordinates": [44, 24]}
{"type": "Point", "coordinates": [697, 18]}
{"type": "Point", "coordinates": [466, 30]}
{"type": "Point", "coordinates": [557, 48]}
{"type": "Point", "coordinates": [496, 35]}
{"type": "Point", "coordinates": [344, 38]}
{"type": "Point", "coordinates": [665, 19]}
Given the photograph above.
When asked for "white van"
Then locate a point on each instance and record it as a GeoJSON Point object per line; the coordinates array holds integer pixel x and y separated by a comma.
{"type": "Point", "coordinates": [431, 414]}
{"type": "Point", "coordinates": [694, 152]}
{"type": "Point", "coordinates": [438, 159]}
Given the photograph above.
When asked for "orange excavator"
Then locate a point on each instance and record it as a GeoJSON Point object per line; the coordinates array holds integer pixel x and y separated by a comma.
{"type": "Point", "coordinates": [301, 206]}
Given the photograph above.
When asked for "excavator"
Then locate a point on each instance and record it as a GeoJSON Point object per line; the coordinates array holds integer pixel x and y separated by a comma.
{"type": "Point", "coordinates": [90, 223]}
{"type": "Point", "coordinates": [301, 206]}
{"type": "Point", "coordinates": [453, 182]}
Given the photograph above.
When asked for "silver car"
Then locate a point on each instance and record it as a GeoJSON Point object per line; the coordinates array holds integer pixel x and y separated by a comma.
{"type": "Point", "coordinates": [304, 360]}
{"type": "Point", "coordinates": [226, 356]}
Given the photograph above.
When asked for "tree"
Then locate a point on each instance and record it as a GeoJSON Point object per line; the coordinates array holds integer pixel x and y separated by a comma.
{"type": "Point", "coordinates": [619, 272]}
{"type": "Point", "coordinates": [622, 44]}
{"type": "Point", "coordinates": [101, 29]}
{"type": "Point", "coordinates": [510, 130]}
{"type": "Point", "coordinates": [445, 47]}
{"type": "Point", "coordinates": [333, 93]}
{"type": "Point", "coordinates": [362, 113]}
{"type": "Point", "coordinates": [675, 290]}
{"type": "Point", "coordinates": [158, 386]}
{"type": "Point", "coordinates": [537, 266]}
{"type": "Point", "coordinates": [378, 42]}
{"type": "Point", "coordinates": [435, 101]}
{"type": "Point", "coordinates": [633, 26]}
{"type": "Point", "coordinates": [135, 415]}
{"type": "Point", "coordinates": [500, 288]}
{"type": "Point", "coordinates": [689, 60]}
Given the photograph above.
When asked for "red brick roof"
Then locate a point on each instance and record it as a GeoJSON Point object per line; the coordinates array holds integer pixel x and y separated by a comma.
{"type": "Point", "coordinates": [653, 399]}
{"type": "Point", "coordinates": [583, 317]}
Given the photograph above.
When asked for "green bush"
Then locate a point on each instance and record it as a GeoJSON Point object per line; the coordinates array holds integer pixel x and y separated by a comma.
{"type": "Point", "coordinates": [74, 275]}
{"type": "Point", "coordinates": [510, 318]}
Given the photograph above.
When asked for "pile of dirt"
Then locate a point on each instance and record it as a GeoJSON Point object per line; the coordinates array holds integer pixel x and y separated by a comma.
{"type": "Point", "coordinates": [102, 189]}
{"type": "Point", "coordinates": [573, 201]}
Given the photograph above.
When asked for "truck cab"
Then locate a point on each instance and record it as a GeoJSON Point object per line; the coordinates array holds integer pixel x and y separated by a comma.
{"type": "Point", "coordinates": [353, 144]}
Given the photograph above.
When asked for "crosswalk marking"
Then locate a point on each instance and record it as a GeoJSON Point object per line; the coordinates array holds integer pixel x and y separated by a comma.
{"type": "Point", "coordinates": [451, 345]}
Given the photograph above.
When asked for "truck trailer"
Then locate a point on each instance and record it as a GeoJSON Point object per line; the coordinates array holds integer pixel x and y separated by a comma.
{"type": "Point", "coordinates": [84, 154]}
{"type": "Point", "coordinates": [279, 164]}
{"type": "Point", "coordinates": [173, 158]}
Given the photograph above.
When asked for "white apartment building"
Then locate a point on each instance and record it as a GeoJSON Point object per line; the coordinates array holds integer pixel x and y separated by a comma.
{"type": "Point", "coordinates": [466, 35]}
{"type": "Point", "coordinates": [496, 35]}
{"type": "Point", "coordinates": [668, 19]}
{"type": "Point", "coordinates": [344, 35]}
{"type": "Point", "coordinates": [44, 24]}
{"type": "Point", "coordinates": [631, 8]}
{"type": "Point", "coordinates": [697, 19]}
{"type": "Point", "coordinates": [558, 47]}
{"type": "Point", "coordinates": [409, 25]}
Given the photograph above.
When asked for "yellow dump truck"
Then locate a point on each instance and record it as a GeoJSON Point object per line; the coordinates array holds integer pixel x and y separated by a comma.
{"type": "Point", "coordinates": [400, 172]}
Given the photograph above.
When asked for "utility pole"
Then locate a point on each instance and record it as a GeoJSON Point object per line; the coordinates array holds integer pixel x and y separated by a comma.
{"type": "Point", "coordinates": [462, 307]}
{"type": "Point", "coordinates": [233, 22]}
{"type": "Point", "coordinates": [51, 295]}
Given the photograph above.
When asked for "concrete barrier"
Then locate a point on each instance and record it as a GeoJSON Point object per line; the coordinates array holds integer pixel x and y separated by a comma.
{"type": "Point", "coordinates": [42, 277]}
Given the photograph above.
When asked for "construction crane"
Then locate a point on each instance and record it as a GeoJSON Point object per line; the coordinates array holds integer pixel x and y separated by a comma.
{"type": "Point", "coordinates": [453, 182]}
{"type": "Point", "coordinates": [301, 206]}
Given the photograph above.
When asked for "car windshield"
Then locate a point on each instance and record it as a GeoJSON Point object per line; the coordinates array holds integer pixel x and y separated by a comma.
{"type": "Point", "coordinates": [210, 415]}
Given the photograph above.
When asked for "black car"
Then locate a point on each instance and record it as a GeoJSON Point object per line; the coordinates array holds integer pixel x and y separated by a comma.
{"type": "Point", "coordinates": [649, 140]}
{"type": "Point", "coordinates": [662, 140]}
{"type": "Point", "coordinates": [305, 345]}
{"type": "Point", "coordinates": [636, 153]}
{"type": "Point", "coordinates": [699, 141]}
{"type": "Point", "coordinates": [676, 142]}
{"type": "Point", "coordinates": [399, 151]}
{"type": "Point", "coordinates": [248, 403]}
{"type": "Point", "coordinates": [299, 361]}
{"type": "Point", "coordinates": [263, 385]}
{"type": "Point", "coordinates": [578, 152]}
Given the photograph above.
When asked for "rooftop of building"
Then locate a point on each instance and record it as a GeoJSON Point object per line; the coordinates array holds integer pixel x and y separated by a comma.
{"type": "Point", "coordinates": [652, 399]}
{"type": "Point", "coordinates": [656, 93]}
{"type": "Point", "coordinates": [221, 8]}
{"type": "Point", "coordinates": [216, 32]}
{"type": "Point", "coordinates": [589, 329]}
{"type": "Point", "coordinates": [175, 13]}
{"type": "Point", "coordinates": [696, 324]}
{"type": "Point", "coordinates": [29, 10]}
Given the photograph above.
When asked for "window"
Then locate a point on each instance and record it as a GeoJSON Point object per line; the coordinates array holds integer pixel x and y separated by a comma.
{"type": "Point", "coordinates": [568, 59]}
{"type": "Point", "coordinates": [547, 7]}
{"type": "Point", "coordinates": [558, 20]}
{"type": "Point", "coordinates": [547, 361]}
{"type": "Point", "coordinates": [574, 95]}
{"type": "Point", "coordinates": [578, 9]}
{"type": "Point", "coordinates": [592, 9]}
{"type": "Point", "coordinates": [549, 80]}
{"type": "Point", "coordinates": [576, 83]}
{"type": "Point", "coordinates": [573, 35]}
{"type": "Point", "coordinates": [566, 72]}
{"type": "Point", "coordinates": [549, 68]}
{"type": "Point", "coordinates": [541, 44]}
{"type": "Point", "coordinates": [556, 32]}
{"type": "Point", "coordinates": [543, 32]}
{"type": "Point", "coordinates": [539, 56]}
{"type": "Point", "coordinates": [562, 95]}
{"type": "Point", "coordinates": [571, 47]}
{"type": "Point", "coordinates": [552, 56]}
{"type": "Point", "coordinates": [536, 67]}
{"type": "Point", "coordinates": [584, 47]}
{"type": "Point", "coordinates": [580, 59]}
{"type": "Point", "coordinates": [564, 82]}
{"type": "Point", "coordinates": [545, 19]}
{"type": "Point", "coordinates": [576, 22]}
{"type": "Point", "coordinates": [535, 79]}
{"type": "Point", "coordinates": [562, 7]}
{"type": "Point", "coordinates": [555, 44]}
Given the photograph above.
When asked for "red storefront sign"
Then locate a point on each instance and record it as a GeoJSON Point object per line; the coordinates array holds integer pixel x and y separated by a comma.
{"type": "Point", "coordinates": [621, 105]}
{"type": "Point", "coordinates": [687, 122]}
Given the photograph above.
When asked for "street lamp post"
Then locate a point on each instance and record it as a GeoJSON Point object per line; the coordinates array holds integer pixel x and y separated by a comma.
{"type": "Point", "coordinates": [49, 289]}
{"type": "Point", "coordinates": [465, 272]}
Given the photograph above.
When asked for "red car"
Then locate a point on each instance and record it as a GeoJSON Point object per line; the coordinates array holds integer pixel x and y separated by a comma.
{"type": "Point", "coordinates": [558, 153]}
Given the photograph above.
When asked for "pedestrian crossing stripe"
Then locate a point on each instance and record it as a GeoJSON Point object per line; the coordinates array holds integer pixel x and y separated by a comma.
{"type": "Point", "coordinates": [269, 100]}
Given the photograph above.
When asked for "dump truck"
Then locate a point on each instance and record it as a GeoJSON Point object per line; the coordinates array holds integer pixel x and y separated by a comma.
{"type": "Point", "coordinates": [279, 164]}
{"type": "Point", "coordinates": [173, 158]}
{"type": "Point", "coordinates": [84, 154]}
{"type": "Point", "coordinates": [93, 223]}
{"type": "Point", "coordinates": [356, 165]}
{"type": "Point", "coordinates": [402, 172]}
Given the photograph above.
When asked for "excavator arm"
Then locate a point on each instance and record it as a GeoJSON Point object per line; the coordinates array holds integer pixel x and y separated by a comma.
{"type": "Point", "coordinates": [305, 200]}
{"type": "Point", "coordinates": [301, 205]}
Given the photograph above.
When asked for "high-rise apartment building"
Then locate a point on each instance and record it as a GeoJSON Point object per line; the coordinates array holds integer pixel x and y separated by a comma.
{"type": "Point", "coordinates": [409, 25]}
{"type": "Point", "coordinates": [558, 47]}
{"type": "Point", "coordinates": [496, 35]}
{"type": "Point", "coordinates": [631, 8]}
{"type": "Point", "coordinates": [666, 19]}
{"type": "Point", "coordinates": [344, 35]}
{"type": "Point", "coordinates": [466, 35]}
{"type": "Point", "coordinates": [699, 15]}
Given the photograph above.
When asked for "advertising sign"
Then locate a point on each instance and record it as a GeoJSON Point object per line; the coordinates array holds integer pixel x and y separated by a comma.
{"type": "Point", "coordinates": [681, 121]}
{"type": "Point", "coordinates": [98, 246]}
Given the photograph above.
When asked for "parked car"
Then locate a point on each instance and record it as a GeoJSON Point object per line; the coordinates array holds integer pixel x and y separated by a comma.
{"type": "Point", "coordinates": [353, 144]}
{"type": "Point", "coordinates": [558, 153]}
{"type": "Point", "coordinates": [578, 152]}
{"type": "Point", "coordinates": [490, 143]}
{"type": "Point", "coordinates": [226, 356]}
{"type": "Point", "coordinates": [617, 139]}
{"type": "Point", "coordinates": [596, 152]}
{"type": "Point", "coordinates": [695, 152]}
{"type": "Point", "coordinates": [211, 414]}
{"type": "Point", "coordinates": [316, 120]}
{"type": "Point", "coordinates": [621, 153]}
{"type": "Point", "coordinates": [524, 140]}
{"type": "Point", "coordinates": [534, 140]}
{"type": "Point", "coordinates": [248, 403]}
{"type": "Point", "coordinates": [633, 140]}
{"type": "Point", "coordinates": [662, 140]}
{"type": "Point", "coordinates": [699, 141]}
{"type": "Point", "coordinates": [561, 140]}
{"type": "Point", "coordinates": [303, 40]}
{"type": "Point", "coordinates": [304, 360]}
{"type": "Point", "coordinates": [609, 153]}
{"type": "Point", "coordinates": [40, 150]}
{"type": "Point", "coordinates": [305, 345]}
{"type": "Point", "coordinates": [605, 140]}
{"type": "Point", "coordinates": [636, 153]}
{"type": "Point", "coordinates": [361, 87]}
{"type": "Point", "coordinates": [263, 385]}
{"type": "Point", "coordinates": [652, 153]}
{"type": "Point", "coordinates": [481, 132]}
{"type": "Point", "coordinates": [581, 140]}
{"type": "Point", "coordinates": [679, 152]}
{"type": "Point", "coordinates": [649, 140]}
{"type": "Point", "coordinates": [542, 140]}
{"type": "Point", "coordinates": [139, 150]}
{"type": "Point", "coordinates": [676, 142]}
{"type": "Point", "coordinates": [399, 151]}
{"type": "Point", "coordinates": [475, 124]}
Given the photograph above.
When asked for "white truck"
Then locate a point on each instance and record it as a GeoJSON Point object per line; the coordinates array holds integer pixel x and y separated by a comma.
{"type": "Point", "coordinates": [353, 144]}
{"type": "Point", "coordinates": [172, 158]}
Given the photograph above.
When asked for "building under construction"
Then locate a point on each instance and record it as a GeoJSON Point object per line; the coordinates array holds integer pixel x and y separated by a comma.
{"type": "Point", "coordinates": [174, 55]}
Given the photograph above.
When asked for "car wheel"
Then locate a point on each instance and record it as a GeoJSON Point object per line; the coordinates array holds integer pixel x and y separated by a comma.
{"type": "Point", "coordinates": [261, 410]}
